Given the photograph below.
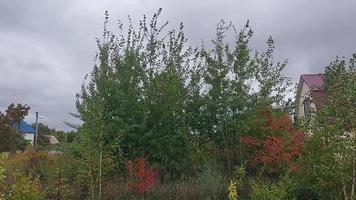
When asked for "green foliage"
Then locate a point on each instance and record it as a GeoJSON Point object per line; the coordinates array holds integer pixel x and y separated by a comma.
{"type": "Point", "coordinates": [50, 174]}
{"type": "Point", "coordinates": [84, 166]}
{"type": "Point", "coordinates": [152, 95]}
{"type": "Point", "coordinates": [271, 191]}
{"type": "Point", "coordinates": [266, 191]}
{"type": "Point", "coordinates": [2, 176]}
{"type": "Point", "coordinates": [12, 140]}
{"type": "Point", "coordinates": [211, 182]}
{"type": "Point", "coordinates": [43, 132]}
{"type": "Point", "coordinates": [135, 99]}
{"type": "Point", "coordinates": [25, 187]}
{"type": "Point", "coordinates": [238, 83]}
{"type": "Point", "coordinates": [328, 160]}
{"type": "Point", "coordinates": [239, 176]}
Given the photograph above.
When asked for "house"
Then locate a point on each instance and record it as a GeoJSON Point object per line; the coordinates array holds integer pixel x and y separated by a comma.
{"type": "Point", "coordinates": [27, 131]}
{"type": "Point", "coordinates": [52, 140]}
{"type": "Point", "coordinates": [310, 95]}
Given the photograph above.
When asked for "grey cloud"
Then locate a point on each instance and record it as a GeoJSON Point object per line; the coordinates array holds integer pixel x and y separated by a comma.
{"type": "Point", "coordinates": [47, 47]}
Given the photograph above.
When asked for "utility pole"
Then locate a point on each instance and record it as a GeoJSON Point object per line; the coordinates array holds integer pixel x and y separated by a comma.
{"type": "Point", "coordinates": [36, 135]}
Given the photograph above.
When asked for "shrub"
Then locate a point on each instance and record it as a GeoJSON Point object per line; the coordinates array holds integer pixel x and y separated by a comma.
{"type": "Point", "coordinates": [239, 177]}
{"type": "Point", "coordinates": [141, 176]}
{"type": "Point", "coordinates": [51, 172]}
{"type": "Point", "coordinates": [277, 149]}
{"type": "Point", "coordinates": [211, 183]}
{"type": "Point", "coordinates": [267, 191]}
{"type": "Point", "coordinates": [283, 189]}
{"type": "Point", "coordinates": [232, 191]}
{"type": "Point", "coordinates": [2, 177]}
{"type": "Point", "coordinates": [25, 187]}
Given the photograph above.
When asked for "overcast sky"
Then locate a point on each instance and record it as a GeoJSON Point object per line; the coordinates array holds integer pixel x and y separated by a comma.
{"type": "Point", "coordinates": [47, 47]}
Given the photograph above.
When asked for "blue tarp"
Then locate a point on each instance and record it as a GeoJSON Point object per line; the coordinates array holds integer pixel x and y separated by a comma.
{"type": "Point", "coordinates": [23, 127]}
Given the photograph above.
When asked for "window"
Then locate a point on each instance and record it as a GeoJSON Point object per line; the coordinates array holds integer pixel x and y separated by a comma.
{"type": "Point", "coordinates": [307, 108]}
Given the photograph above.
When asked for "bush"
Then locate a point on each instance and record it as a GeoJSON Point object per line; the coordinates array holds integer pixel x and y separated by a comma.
{"type": "Point", "coordinates": [266, 191]}
{"type": "Point", "coordinates": [272, 191]}
{"type": "Point", "coordinates": [2, 176]}
{"type": "Point", "coordinates": [207, 185]}
{"type": "Point", "coordinates": [211, 183]}
{"type": "Point", "coordinates": [305, 193]}
{"type": "Point", "coordinates": [25, 187]}
{"type": "Point", "coordinates": [52, 174]}
{"type": "Point", "coordinates": [141, 176]}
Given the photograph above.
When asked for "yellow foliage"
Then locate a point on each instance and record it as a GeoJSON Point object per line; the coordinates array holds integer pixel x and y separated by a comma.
{"type": "Point", "coordinates": [232, 191]}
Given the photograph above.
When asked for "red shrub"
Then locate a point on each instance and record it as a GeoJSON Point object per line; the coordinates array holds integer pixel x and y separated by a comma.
{"type": "Point", "coordinates": [294, 168]}
{"type": "Point", "coordinates": [250, 141]}
{"type": "Point", "coordinates": [279, 145]}
{"type": "Point", "coordinates": [141, 176]}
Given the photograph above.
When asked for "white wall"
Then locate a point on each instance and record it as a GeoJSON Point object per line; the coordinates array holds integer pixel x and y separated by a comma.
{"type": "Point", "coordinates": [304, 93]}
{"type": "Point", "coordinates": [30, 137]}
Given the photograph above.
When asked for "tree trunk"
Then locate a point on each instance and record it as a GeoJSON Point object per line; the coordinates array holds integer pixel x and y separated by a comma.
{"type": "Point", "coordinates": [224, 133]}
{"type": "Point", "coordinates": [345, 193]}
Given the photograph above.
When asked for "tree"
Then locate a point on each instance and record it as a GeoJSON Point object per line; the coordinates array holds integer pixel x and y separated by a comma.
{"type": "Point", "coordinates": [167, 134]}
{"type": "Point", "coordinates": [226, 75]}
{"type": "Point", "coordinates": [275, 151]}
{"type": "Point", "coordinates": [151, 95]}
{"type": "Point", "coordinates": [238, 84]}
{"type": "Point", "coordinates": [12, 140]}
{"type": "Point", "coordinates": [273, 85]}
{"type": "Point", "coordinates": [217, 67]}
{"type": "Point", "coordinates": [98, 135]}
{"type": "Point", "coordinates": [135, 75]}
{"type": "Point", "coordinates": [328, 159]}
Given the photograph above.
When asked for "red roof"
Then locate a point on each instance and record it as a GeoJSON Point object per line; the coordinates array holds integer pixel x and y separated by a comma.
{"type": "Point", "coordinates": [314, 81]}
{"type": "Point", "coordinates": [316, 84]}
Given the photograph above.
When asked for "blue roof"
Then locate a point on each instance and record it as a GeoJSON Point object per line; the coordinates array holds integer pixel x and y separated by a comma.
{"type": "Point", "coordinates": [23, 127]}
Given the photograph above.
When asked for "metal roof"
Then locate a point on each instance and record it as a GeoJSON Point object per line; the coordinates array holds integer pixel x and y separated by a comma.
{"type": "Point", "coordinates": [23, 127]}
{"type": "Point", "coordinates": [314, 81]}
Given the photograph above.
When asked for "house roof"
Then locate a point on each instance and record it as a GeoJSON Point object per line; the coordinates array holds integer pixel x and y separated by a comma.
{"type": "Point", "coordinates": [52, 139]}
{"type": "Point", "coordinates": [314, 81]}
{"type": "Point", "coordinates": [23, 127]}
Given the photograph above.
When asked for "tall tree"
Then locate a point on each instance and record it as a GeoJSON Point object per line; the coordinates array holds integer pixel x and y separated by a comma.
{"type": "Point", "coordinates": [217, 68]}
{"type": "Point", "coordinates": [12, 140]}
{"type": "Point", "coordinates": [136, 91]}
{"type": "Point", "coordinates": [167, 129]}
{"type": "Point", "coordinates": [328, 160]}
{"type": "Point", "coordinates": [151, 95]}
{"type": "Point", "coordinates": [273, 84]}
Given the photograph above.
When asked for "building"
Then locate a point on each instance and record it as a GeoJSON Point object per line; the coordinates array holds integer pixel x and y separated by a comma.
{"type": "Point", "coordinates": [310, 95]}
{"type": "Point", "coordinates": [27, 131]}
